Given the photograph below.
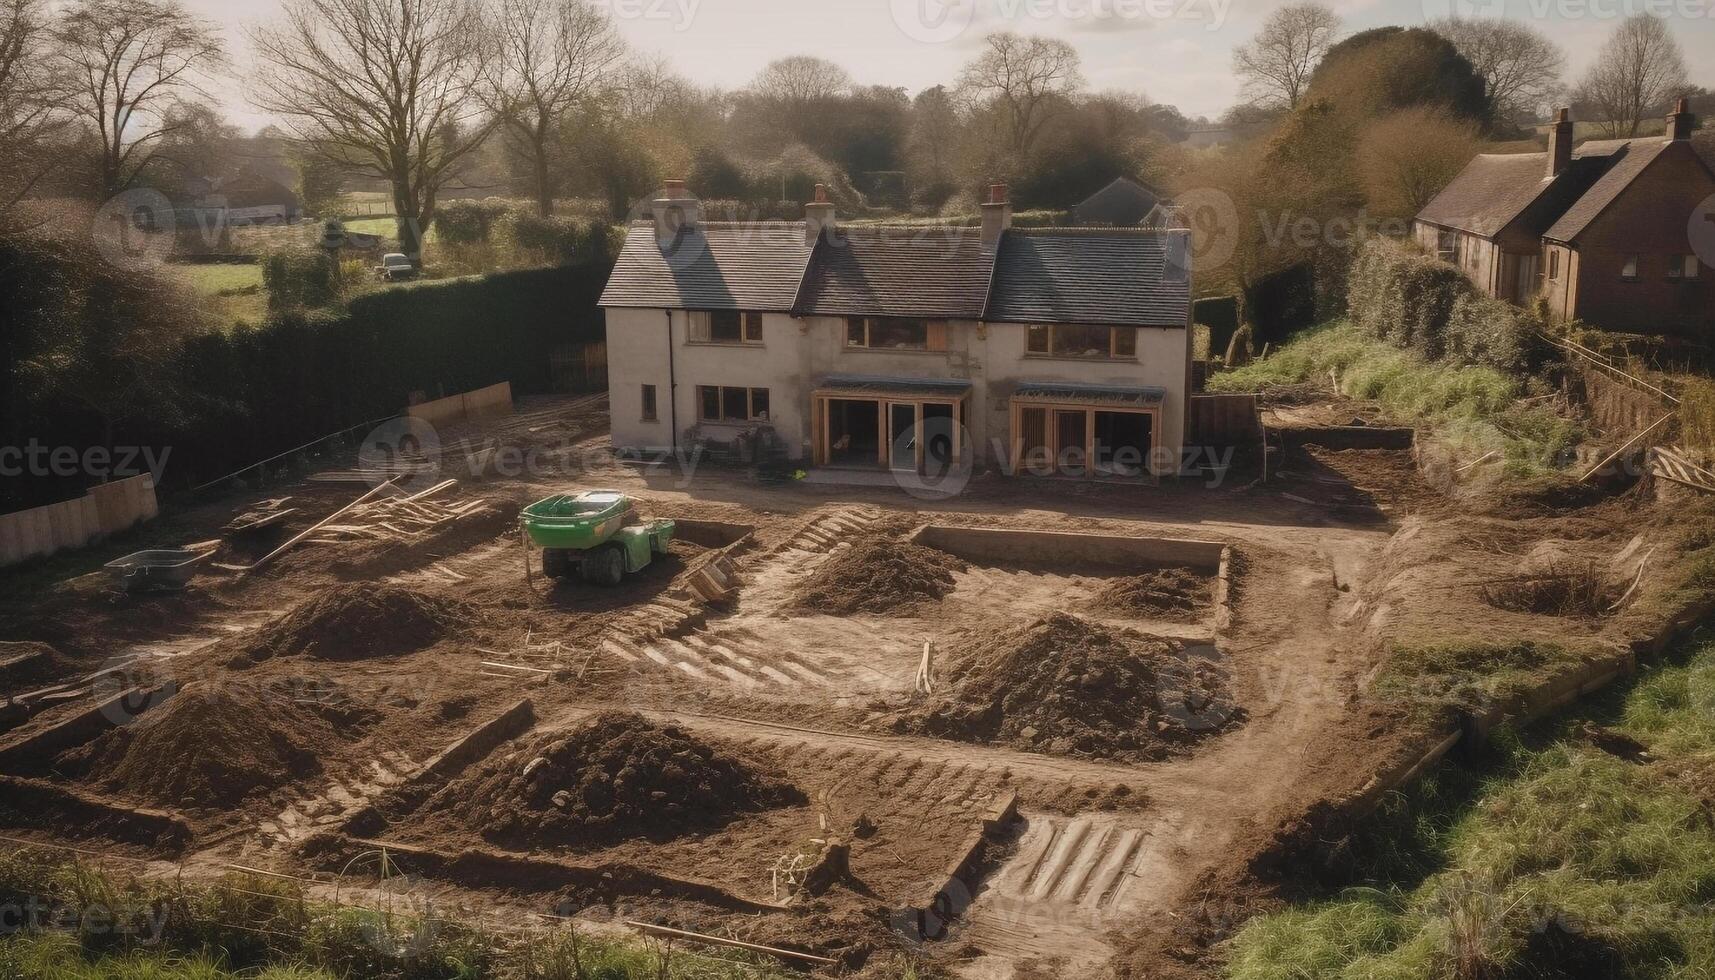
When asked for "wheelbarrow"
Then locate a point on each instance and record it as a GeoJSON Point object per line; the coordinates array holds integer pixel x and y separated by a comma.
{"type": "Point", "coordinates": [164, 570]}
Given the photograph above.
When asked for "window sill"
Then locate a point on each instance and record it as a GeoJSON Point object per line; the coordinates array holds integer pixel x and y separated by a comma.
{"type": "Point", "coordinates": [735, 422]}
{"type": "Point", "coordinates": [1080, 360]}
{"type": "Point", "coordinates": [891, 350]}
{"type": "Point", "coordinates": [725, 343]}
{"type": "Point", "coordinates": [649, 421]}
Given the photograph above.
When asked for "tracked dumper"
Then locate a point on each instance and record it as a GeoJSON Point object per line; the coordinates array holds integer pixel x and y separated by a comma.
{"type": "Point", "coordinates": [596, 533]}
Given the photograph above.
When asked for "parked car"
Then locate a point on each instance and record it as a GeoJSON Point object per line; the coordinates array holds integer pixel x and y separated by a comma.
{"type": "Point", "coordinates": [395, 266]}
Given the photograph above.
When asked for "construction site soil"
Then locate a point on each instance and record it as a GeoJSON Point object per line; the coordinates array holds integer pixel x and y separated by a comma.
{"type": "Point", "coordinates": [613, 777]}
{"type": "Point", "coordinates": [878, 575]}
{"type": "Point", "coordinates": [1071, 687]}
{"type": "Point", "coordinates": [1116, 775]}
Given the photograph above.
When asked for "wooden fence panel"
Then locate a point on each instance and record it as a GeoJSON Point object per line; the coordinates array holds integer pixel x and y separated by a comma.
{"type": "Point", "coordinates": [105, 509]}
{"type": "Point", "coordinates": [1223, 420]}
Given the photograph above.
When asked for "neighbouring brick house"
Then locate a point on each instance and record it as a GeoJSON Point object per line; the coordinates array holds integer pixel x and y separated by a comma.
{"type": "Point", "coordinates": [904, 348]}
{"type": "Point", "coordinates": [1605, 232]}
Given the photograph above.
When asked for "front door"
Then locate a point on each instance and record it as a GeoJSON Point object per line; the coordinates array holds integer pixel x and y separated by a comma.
{"type": "Point", "coordinates": [1072, 432]}
{"type": "Point", "coordinates": [902, 435]}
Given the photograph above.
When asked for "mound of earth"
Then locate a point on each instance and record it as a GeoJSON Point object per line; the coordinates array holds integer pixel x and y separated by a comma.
{"type": "Point", "coordinates": [616, 776]}
{"type": "Point", "coordinates": [355, 622]}
{"type": "Point", "coordinates": [877, 575]}
{"type": "Point", "coordinates": [25, 667]}
{"type": "Point", "coordinates": [1165, 593]}
{"type": "Point", "coordinates": [209, 747]}
{"type": "Point", "coordinates": [1065, 685]}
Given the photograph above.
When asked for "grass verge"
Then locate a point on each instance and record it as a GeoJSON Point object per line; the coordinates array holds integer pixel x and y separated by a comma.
{"type": "Point", "coordinates": [69, 919]}
{"type": "Point", "coordinates": [1474, 410]}
{"type": "Point", "coordinates": [1551, 858]}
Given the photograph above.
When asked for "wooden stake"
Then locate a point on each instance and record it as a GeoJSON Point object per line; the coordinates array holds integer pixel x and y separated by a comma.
{"type": "Point", "coordinates": [277, 552]}
{"type": "Point", "coordinates": [1629, 444]}
{"type": "Point", "coordinates": [669, 933]}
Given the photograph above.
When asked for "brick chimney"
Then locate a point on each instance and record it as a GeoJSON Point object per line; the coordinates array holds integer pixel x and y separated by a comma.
{"type": "Point", "coordinates": [675, 210]}
{"type": "Point", "coordinates": [1560, 143]}
{"type": "Point", "coordinates": [1680, 122]}
{"type": "Point", "coordinates": [997, 216]}
{"type": "Point", "coordinates": [818, 215]}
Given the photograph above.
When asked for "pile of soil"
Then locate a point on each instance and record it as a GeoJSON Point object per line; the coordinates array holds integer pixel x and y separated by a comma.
{"type": "Point", "coordinates": [878, 575]}
{"type": "Point", "coordinates": [1167, 593]}
{"type": "Point", "coordinates": [356, 622]}
{"type": "Point", "coordinates": [26, 667]}
{"type": "Point", "coordinates": [1065, 685]}
{"type": "Point", "coordinates": [208, 747]}
{"type": "Point", "coordinates": [617, 776]}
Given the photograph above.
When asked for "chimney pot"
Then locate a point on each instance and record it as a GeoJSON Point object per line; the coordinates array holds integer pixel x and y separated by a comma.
{"type": "Point", "coordinates": [997, 216]}
{"type": "Point", "coordinates": [818, 216]}
{"type": "Point", "coordinates": [1680, 122]}
{"type": "Point", "coordinates": [821, 193]}
{"type": "Point", "coordinates": [676, 211]}
{"type": "Point", "coordinates": [1560, 143]}
{"type": "Point", "coordinates": [674, 185]}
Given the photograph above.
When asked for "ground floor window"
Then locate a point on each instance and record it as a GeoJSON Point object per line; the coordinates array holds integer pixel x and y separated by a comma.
{"type": "Point", "coordinates": [721, 403]}
{"type": "Point", "coordinates": [649, 403]}
{"type": "Point", "coordinates": [903, 433]}
{"type": "Point", "coordinates": [1082, 440]}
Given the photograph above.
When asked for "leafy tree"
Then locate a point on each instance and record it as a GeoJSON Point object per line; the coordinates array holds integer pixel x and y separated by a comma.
{"type": "Point", "coordinates": [30, 101]}
{"type": "Point", "coordinates": [321, 181]}
{"type": "Point", "coordinates": [1390, 68]}
{"type": "Point", "coordinates": [1405, 159]}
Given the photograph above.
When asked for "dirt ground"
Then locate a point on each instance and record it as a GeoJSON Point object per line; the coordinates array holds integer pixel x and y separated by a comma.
{"type": "Point", "coordinates": [320, 704]}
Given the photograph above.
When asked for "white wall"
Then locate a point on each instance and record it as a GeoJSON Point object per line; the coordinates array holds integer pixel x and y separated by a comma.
{"type": "Point", "coordinates": [796, 352]}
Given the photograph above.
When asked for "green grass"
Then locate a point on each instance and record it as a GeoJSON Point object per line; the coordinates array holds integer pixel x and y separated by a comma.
{"type": "Point", "coordinates": [110, 925]}
{"type": "Point", "coordinates": [1474, 410]}
{"type": "Point", "coordinates": [1468, 676]}
{"type": "Point", "coordinates": [1552, 858]}
{"type": "Point", "coordinates": [230, 292]}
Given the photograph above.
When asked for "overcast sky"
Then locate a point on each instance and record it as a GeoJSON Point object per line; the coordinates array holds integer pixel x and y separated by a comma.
{"type": "Point", "coordinates": [1174, 51]}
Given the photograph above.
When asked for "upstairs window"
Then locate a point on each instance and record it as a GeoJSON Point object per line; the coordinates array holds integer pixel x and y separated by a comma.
{"type": "Point", "coordinates": [725, 327]}
{"type": "Point", "coordinates": [1096, 343]}
{"type": "Point", "coordinates": [1629, 271]}
{"type": "Point", "coordinates": [1683, 267]}
{"type": "Point", "coordinates": [649, 408]}
{"type": "Point", "coordinates": [895, 333]}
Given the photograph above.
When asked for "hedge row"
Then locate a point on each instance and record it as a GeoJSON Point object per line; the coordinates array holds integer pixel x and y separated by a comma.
{"type": "Point", "coordinates": [1401, 295]}
{"type": "Point", "coordinates": [255, 392]}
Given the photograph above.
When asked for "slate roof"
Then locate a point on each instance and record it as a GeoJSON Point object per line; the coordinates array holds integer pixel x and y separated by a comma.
{"type": "Point", "coordinates": [1114, 277]}
{"type": "Point", "coordinates": [1489, 193]}
{"type": "Point", "coordinates": [1495, 189]}
{"type": "Point", "coordinates": [1105, 394]}
{"type": "Point", "coordinates": [1122, 202]}
{"type": "Point", "coordinates": [935, 271]}
{"type": "Point", "coordinates": [1636, 156]}
{"type": "Point", "coordinates": [717, 266]}
{"type": "Point", "coordinates": [1106, 276]}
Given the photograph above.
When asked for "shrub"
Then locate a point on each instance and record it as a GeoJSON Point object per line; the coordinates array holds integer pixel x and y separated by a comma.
{"type": "Point", "coordinates": [300, 279]}
{"type": "Point", "coordinates": [1397, 293]}
{"type": "Point", "coordinates": [469, 222]}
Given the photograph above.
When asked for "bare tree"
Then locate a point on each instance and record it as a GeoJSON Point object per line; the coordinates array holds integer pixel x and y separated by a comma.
{"type": "Point", "coordinates": [1276, 64]}
{"type": "Point", "coordinates": [552, 57]}
{"type": "Point", "coordinates": [801, 79]}
{"type": "Point", "coordinates": [1519, 66]}
{"type": "Point", "coordinates": [385, 88]}
{"type": "Point", "coordinates": [132, 66]}
{"type": "Point", "coordinates": [1028, 79]}
{"type": "Point", "coordinates": [1640, 68]}
{"type": "Point", "coordinates": [29, 100]}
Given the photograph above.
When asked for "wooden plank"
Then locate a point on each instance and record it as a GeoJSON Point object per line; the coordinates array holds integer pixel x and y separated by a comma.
{"type": "Point", "coordinates": [650, 928]}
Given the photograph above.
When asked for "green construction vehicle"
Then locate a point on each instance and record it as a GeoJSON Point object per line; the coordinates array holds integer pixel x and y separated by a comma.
{"type": "Point", "coordinates": [596, 533]}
